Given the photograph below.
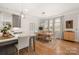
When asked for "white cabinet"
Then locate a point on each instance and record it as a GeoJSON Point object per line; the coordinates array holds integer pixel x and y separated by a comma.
{"type": "Point", "coordinates": [5, 17]}
{"type": "Point", "coordinates": [1, 20]}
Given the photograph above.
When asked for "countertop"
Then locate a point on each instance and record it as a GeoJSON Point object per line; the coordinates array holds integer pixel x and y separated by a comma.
{"type": "Point", "coordinates": [6, 40]}
{"type": "Point", "coordinates": [13, 38]}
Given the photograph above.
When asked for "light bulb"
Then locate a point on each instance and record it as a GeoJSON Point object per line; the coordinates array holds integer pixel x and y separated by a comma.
{"type": "Point", "coordinates": [22, 15]}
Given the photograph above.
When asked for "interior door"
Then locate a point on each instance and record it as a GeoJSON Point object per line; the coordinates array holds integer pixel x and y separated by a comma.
{"type": "Point", "coordinates": [57, 28]}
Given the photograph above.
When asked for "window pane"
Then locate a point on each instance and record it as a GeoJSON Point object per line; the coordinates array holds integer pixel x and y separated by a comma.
{"type": "Point", "coordinates": [51, 25]}
{"type": "Point", "coordinates": [57, 24]}
{"type": "Point", "coordinates": [57, 20]}
{"type": "Point", "coordinates": [46, 25]}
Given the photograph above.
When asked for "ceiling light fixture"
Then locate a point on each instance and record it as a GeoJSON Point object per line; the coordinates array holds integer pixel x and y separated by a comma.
{"type": "Point", "coordinates": [22, 15]}
{"type": "Point", "coordinates": [43, 12]}
{"type": "Point", "coordinates": [23, 12]}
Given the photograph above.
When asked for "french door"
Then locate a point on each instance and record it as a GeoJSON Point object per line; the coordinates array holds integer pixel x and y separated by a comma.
{"type": "Point", "coordinates": [51, 25]}
{"type": "Point", "coordinates": [58, 28]}
{"type": "Point", "coordinates": [54, 26]}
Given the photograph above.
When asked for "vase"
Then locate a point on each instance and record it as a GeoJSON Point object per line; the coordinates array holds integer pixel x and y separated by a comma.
{"type": "Point", "coordinates": [5, 35]}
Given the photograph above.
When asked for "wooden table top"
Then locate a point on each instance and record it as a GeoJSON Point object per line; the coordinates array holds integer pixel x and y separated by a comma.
{"type": "Point", "coordinates": [45, 33]}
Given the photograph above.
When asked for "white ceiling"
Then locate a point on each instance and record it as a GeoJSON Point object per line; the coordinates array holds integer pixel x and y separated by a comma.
{"type": "Point", "coordinates": [36, 9]}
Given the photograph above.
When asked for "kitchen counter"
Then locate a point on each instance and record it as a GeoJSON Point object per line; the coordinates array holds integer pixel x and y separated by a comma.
{"type": "Point", "coordinates": [4, 42]}
{"type": "Point", "coordinates": [10, 39]}
{"type": "Point", "coordinates": [15, 37]}
{"type": "Point", "coordinates": [7, 46]}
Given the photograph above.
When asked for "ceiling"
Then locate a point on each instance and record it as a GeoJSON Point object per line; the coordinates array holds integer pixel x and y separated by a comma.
{"type": "Point", "coordinates": [40, 9]}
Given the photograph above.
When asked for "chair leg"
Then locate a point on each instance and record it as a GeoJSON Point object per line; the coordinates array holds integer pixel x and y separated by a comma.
{"type": "Point", "coordinates": [34, 43]}
{"type": "Point", "coordinates": [18, 52]}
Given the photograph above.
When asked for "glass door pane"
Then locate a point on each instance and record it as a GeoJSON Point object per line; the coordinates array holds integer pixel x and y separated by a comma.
{"type": "Point", "coordinates": [57, 27]}
{"type": "Point", "coordinates": [51, 25]}
{"type": "Point", "coordinates": [46, 25]}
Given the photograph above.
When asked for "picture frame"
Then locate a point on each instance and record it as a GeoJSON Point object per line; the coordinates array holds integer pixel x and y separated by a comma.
{"type": "Point", "coordinates": [69, 24]}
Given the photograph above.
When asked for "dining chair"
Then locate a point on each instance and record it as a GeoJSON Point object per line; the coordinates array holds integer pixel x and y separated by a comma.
{"type": "Point", "coordinates": [23, 42]}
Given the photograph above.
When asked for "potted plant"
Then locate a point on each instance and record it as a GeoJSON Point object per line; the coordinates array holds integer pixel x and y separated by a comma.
{"type": "Point", "coordinates": [5, 30]}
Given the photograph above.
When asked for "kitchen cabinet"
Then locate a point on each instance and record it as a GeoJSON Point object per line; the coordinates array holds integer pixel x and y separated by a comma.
{"type": "Point", "coordinates": [4, 18]}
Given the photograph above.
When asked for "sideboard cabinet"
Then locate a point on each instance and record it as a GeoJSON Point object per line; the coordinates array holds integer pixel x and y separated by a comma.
{"type": "Point", "coordinates": [69, 35]}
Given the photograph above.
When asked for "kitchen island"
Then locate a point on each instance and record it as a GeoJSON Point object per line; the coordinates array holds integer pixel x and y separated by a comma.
{"type": "Point", "coordinates": [13, 44]}
{"type": "Point", "coordinates": [7, 45]}
{"type": "Point", "coordinates": [8, 40]}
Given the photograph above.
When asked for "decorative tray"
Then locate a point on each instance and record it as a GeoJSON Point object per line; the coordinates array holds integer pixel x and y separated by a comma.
{"type": "Point", "coordinates": [8, 37]}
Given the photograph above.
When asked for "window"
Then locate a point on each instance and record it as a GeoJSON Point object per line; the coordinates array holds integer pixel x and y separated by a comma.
{"type": "Point", "coordinates": [46, 25]}
{"type": "Point", "coordinates": [51, 25]}
{"type": "Point", "coordinates": [57, 24]}
{"type": "Point", "coordinates": [57, 27]}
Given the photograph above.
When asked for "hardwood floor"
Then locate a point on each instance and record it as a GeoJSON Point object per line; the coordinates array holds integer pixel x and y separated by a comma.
{"type": "Point", "coordinates": [26, 51]}
{"type": "Point", "coordinates": [54, 47]}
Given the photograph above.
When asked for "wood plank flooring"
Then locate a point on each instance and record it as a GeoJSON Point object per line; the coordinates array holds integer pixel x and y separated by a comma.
{"type": "Point", "coordinates": [54, 47]}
